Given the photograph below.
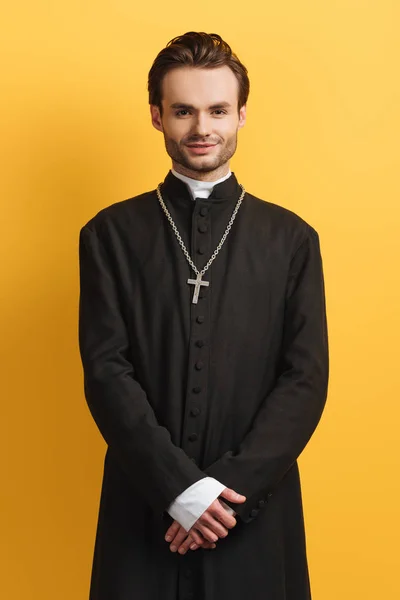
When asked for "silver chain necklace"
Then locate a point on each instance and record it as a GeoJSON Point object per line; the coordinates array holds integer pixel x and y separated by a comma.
{"type": "Point", "coordinates": [198, 282]}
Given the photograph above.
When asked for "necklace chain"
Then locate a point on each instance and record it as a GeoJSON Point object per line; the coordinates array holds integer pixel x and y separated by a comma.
{"type": "Point", "coordinates": [181, 242]}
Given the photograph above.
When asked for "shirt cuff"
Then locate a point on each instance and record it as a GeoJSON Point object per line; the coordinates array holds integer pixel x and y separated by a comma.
{"type": "Point", "coordinates": [192, 502]}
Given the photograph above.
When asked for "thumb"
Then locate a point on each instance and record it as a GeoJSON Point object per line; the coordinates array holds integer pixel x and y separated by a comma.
{"type": "Point", "coordinates": [233, 496]}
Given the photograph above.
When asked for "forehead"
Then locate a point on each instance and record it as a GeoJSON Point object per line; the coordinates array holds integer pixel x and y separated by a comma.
{"type": "Point", "coordinates": [199, 86]}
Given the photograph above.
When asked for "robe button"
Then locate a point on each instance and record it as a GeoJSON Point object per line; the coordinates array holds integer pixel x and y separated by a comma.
{"type": "Point", "coordinates": [200, 319]}
{"type": "Point", "coordinates": [192, 437]}
{"type": "Point", "coordinates": [197, 389]}
{"type": "Point", "coordinates": [199, 365]}
{"type": "Point", "coordinates": [188, 573]}
{"type": "Point", "coordinates": [204, 211]}
{"type": "Point", "coordinates": [200, 343]}
{"type": "Point", "coordinates": [201, 250]}
{"type": "Point", "coordinates": [254, 512]}
{"type": "Point", "coordinates": [195, 411]}
{"type": "Point", "coordinates": [203, 228]}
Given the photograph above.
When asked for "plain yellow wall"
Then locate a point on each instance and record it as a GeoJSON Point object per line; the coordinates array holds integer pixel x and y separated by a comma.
{"type": "Point", "coordinates": [322, 139]}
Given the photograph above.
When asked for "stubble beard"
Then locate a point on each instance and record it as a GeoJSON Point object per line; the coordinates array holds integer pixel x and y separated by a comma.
{"type": "Point", "coordinates": [201, 164]}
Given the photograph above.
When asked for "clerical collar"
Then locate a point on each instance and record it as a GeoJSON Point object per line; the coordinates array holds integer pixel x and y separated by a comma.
{"type": "Point", "coordinates": [178, 192]}
{"type": "Point", "coordinates": [200, 189]}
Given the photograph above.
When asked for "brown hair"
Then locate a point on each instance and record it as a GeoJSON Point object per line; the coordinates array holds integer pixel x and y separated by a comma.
{"type": "Point", "coordinates": [196, 49]}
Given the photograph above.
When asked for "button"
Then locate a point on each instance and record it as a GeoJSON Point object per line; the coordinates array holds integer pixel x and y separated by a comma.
{"type": "Point", "coordinates": [195, 411]}
{"type": "Point", "coordinates": [200, 319]}
{"type": "Point", "coordinates": [254, 512]}
{"type": "Point", "coordinates": [199, 365]}
{"type": "Point", "coordinates": [203, 228]}
{"type": "Point", "coordinates": [200, 343]}
{"type": "Point", "coordinates": [196, 389]}
{"type": "Point", "coordinates": [192, 437]}
{"type": "Point", "coordinates": [261, 503]}
{"type": "Point", "coordinates": [201, 250]}
{"type": "Point", "coordinates": [204, 211]}
{"type": "Point", "coordinates": [188, 573]}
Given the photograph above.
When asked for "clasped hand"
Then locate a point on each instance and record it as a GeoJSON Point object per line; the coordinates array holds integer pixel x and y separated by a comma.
{"type": "Point", "coordinates": [212, 525]}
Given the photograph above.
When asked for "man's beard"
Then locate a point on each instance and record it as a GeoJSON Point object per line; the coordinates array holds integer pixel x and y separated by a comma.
{"type": "Point", "coordinates": [209, 163]}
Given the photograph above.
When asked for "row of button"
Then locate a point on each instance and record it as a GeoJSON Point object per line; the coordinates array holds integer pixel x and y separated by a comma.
{"type": "Point", "coordinates": [199, 365]}
{"type": "Point", "coordinates": [202, 228]}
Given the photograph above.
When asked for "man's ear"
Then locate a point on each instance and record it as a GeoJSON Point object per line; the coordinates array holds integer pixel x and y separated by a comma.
{"type": "Point", "coordinates": [242, 116]}
{"type": "Point", "coordinates": [155, 117]}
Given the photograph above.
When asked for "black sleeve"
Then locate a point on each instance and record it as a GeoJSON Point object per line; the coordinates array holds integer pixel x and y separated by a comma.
{"type": "Point", "coordinates": [290, 413]}
{"type": "Point", "coordinates": [157, 468]}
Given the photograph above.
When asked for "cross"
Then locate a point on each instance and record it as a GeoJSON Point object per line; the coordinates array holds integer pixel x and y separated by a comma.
{"type": "Point", "coordinates": [197, 283]}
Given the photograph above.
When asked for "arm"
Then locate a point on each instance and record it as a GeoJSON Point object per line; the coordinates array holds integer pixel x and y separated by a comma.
{"type": "Point", "coordinates": [290, 413]}
{"type": "Point", "coordinates": [157, 468]}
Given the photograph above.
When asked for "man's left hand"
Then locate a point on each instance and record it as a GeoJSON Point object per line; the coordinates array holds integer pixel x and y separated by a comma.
{"type": "Point", "coordinates": [181, 540]}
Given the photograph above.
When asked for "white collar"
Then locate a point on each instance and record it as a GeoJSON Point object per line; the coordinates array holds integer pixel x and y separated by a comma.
{"type": "Point", "coordinates": [200, 189]}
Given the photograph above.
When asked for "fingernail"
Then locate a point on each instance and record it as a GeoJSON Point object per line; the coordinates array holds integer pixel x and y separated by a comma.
{"type": "Point", "coordinates": [182, 550]}
{"type": "Point", "coordinates": [193, 546]}
{"type": "Point", "coordinates": [168, 538]}
{"type": "Point", "coordinates": [173, 548]}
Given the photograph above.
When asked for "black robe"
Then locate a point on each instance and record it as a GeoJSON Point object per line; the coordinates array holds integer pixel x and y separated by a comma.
{"type": "Point", "coordinates": [231, 387]}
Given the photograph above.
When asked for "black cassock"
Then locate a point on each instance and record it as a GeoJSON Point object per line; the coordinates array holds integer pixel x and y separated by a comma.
{"type": "Point", "coordinates": [231, 387]}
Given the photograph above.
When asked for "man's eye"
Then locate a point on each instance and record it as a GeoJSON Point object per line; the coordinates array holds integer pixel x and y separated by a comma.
{"type": "Point", "coordinates": [184, 110]}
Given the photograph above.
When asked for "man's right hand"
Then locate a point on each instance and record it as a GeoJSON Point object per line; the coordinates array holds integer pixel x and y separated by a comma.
{"type": "Point", "coordinates": [213, 524]}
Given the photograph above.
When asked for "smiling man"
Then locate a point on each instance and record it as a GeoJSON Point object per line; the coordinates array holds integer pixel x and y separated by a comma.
{"type": "Point", "coordinates": [204, 344]}
{"type": "Point", "coordinates": [201, 151]}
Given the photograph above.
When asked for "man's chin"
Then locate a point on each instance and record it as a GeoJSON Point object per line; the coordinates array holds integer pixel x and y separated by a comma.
{"type": "Point", "coordinates": [201, 163]}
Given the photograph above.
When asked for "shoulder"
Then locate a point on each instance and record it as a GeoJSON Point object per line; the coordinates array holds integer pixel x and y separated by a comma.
{"type": "Point", "coordinates": [279, 223]}
{"type": "Point", "coordinates": [124, 214]}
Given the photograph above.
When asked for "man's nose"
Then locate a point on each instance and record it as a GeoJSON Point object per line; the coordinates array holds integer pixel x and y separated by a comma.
{"type": "Point", "coordinates": [202, 125]}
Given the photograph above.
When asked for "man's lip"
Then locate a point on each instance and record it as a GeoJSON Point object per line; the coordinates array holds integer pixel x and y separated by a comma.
{"type": "Point", "coordinates": [200, 145]}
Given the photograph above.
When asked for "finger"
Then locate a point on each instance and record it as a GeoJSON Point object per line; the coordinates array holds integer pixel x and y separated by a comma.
{"type": "Point", "coordinates": [233, 496]}
{"type": "Point", "coordinates": [206, 545]}
{"type": "Point", "coordinates": [206, 532]}
{"type": "Point", "coordinates": [221, 514]}
{"type": "Point", "coordinates": [172, 531]}
{"type": "Point", "coordinates": [198, 540]}
{"type": "Point", "coordinates": [228, 508]}
{"type": "Point", "coordinates": [213, 524]}
{"type": "Point", "coordinates": [197, 537]}
{"type": "Point", "coordinates": [178, 539]}
{"type": "Point", "coordinates": [184, 546]}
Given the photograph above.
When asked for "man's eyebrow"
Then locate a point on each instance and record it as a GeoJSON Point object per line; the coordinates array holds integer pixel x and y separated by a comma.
{"type": "Point", "coordinates": [214, 106]}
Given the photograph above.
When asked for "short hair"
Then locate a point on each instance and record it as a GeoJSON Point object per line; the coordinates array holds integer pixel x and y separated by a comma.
{"type": "Point", "coordinates": [196, 49]}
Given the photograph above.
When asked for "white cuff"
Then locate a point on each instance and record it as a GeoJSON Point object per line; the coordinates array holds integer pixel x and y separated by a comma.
{"type": "Point", "coordinates": [192, 502]}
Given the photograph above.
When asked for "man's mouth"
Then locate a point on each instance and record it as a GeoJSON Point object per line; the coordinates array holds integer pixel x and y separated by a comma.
{"type": "Point", "coordinates": [200, 148]}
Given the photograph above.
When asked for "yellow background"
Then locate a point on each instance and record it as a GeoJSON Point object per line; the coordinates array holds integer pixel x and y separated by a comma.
{"type": "Point", "coordinates": [322, 139]}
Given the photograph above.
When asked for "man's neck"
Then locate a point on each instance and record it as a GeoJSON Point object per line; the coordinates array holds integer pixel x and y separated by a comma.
{"type": "Point", "coordinates": [210, 176]}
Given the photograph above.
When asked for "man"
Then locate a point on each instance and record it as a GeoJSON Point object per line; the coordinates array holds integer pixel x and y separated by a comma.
{"type": "Point", "coordinates": [204, 345]}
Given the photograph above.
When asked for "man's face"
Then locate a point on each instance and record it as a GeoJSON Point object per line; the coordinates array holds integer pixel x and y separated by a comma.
{"type": "Point", "coordinates": [199, 107]}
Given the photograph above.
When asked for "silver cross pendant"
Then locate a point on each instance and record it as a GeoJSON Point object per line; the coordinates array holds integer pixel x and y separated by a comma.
{"type": "Point", "coordinates": [197, 283]}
